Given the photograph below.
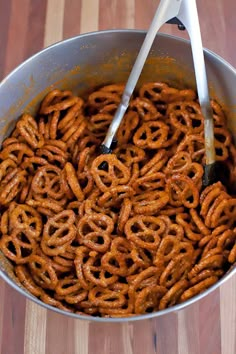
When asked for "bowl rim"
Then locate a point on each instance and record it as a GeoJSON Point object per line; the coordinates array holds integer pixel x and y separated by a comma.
{"type": "Point", "coordinates": [147, 316]}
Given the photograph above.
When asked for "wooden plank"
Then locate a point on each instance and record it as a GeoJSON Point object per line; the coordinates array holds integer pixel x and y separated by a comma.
{"type": "Point", "coordinates": [35, 328]}
{"type": "Point", "coordinates": [208, 327]}
{"type": "Point", "coordinates": [54, 22]}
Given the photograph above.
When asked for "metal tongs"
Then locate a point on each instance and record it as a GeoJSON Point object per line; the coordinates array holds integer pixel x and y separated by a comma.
{"type": "Point", "coordinates": [184, 11]}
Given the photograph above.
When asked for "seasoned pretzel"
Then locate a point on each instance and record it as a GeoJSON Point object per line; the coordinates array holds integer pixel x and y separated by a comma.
{"type": "Point", "coordinates": [182, 191]}
{"type": "Point", "coordinates": [115, 196]}
{"type": "Point", "coordinates": [23, 217]}
{"type": "Point", "coordinates": [53, 153]}
{"type": "Point", "coordinates": [173, 294]}
{"type": "Point", "coordinates": [127, 127]}
{"type": "Point", "coordinates": [149, 203]}
{"type": "Point", "coordinates": [58, 233]}
{"type": "Point", "coordinates": [73, 181]}
{"type": "Point", "coordinates": [27, 281]}
{"type": "Point", "coordinates": [71, 291]}
{"type": "Point", "coordinates": [155, 164]}
{"type": "Point", "coordinates": [115, 174]}
{"type": "Point", "coordinates": [198, 288]}
{"type": "Point", "coordinates": [176, 269]}
{"type": "Point", "coordinates": [145, 231]}
{"type": "Point", "coordinates": [28, 129]}
{"type": "Point", "coordinates": [121, 234]}
{"type": "Point", "coordinates": [124, 214]}
{"type": "Point", "coordinates": [12, 185]}
{"type": "Point", "coordinates": [16, 151]}
{"type": "Point", "coordinates": [186, 116]}
{"type": "Point", "coordinates": [101, 98]}
{"type": "Point", "coordinates": [151, 135]}
{"type": "Point", "coordinates": [94, 231]}
{"type": "Point", "coordinates": [18, 246]}
{"type": "Point", "coordinates": [145, 108]}
{"type": "Point", "coordinates": [57, 101]}
{"type": "Point", "coordinates": [129, 154]}
{"type": "Point", "coordinates": [89, 271]}
{"type": "Point", "coordinates": [149, 182]}
{"type": "Point", "coordinates": [42, 272]}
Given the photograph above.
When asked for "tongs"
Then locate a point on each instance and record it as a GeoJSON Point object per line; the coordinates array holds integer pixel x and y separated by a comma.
{"type": "Point", "coordinates": [184, 11]}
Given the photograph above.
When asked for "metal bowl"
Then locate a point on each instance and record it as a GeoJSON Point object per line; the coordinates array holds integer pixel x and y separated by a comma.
{"type": "Point", "coordinates": [94, 59]}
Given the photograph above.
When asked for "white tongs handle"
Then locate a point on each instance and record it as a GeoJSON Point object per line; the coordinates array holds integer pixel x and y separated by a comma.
{"type": "Point", "coordinates": [166, 10]}
{"type": "Point", "coordinates": [188, 15]}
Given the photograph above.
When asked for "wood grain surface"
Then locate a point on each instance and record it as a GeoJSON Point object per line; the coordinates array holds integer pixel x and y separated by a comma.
{"type": "Point", "coordinates": [208, 327]}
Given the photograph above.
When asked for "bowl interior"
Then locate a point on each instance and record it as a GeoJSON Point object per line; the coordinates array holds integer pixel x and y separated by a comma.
{"type": "Point", "coordinates": [88, 61]}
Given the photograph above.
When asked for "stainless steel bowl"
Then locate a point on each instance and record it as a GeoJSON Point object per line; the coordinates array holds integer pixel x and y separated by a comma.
{"type": "Point", "coordinates": [93, 59]}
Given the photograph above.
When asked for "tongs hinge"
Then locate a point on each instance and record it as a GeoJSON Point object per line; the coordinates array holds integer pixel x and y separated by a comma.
{"type": "Point", "coordinates": [176, 21]}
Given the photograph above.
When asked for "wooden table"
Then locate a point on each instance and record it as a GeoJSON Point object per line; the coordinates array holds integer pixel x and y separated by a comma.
{"type": "Point", "coordinates": [208, 327]}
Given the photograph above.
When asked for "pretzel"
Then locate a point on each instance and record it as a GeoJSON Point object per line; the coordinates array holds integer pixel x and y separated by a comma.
{"type": "Point", "coordinates": [50, 104]}
{"type": "Point", "coordinates": [149, 203]}
{"type": "Point", "coordinates": [90, 206]}
{"type": "Point", "coordinates": [115, 196]}
{"type": "Point", "coordinates": [155, 164]}
{"type": "Point", "coordinates": [27, 281]}
{"type": "Point", "coordinates": [46, 181]}
{"type": "Point", "coordinates": [186, 116]}
{"type": "Point", "coordinates": [127, 127]}
{"type": "Point", "coordinates": [53, 302]}
{"type": "Point", "coordinates": [49, 206]}
{"type": "Point", "coordinates": [73, 181]}
{"type": "Point", "coordinates": [194, 227]}
{"type": "Point", "coordinates": [52, 153]}
{"type": "Point", "coordinates": [31, 164]}
{"type": "Point", "coordinates": [11, 186]}
{"type": "Point", "coordinates": [72, 113]}
{"type": "Point", "coordinates": [115, 174]}
{"type": "Point", "coordinates": [169, 248]}
{"type": "Point", "coordinates": [194, 144]}
{"type": "Point", "coordinates": [145, 108]}
{"type": "Point", "coordinates": [72, 133]}
{"type": "Point", "coordinates": [142, 257]}
{"type": "Point", "coordinates": [145, 231]}
{"type": "Point", "coordinates": [198, 288]}
{"type": "Point", "coordinates": [28, 129]}
{"type": "Point", "coordinates": [115, 262]}
{"type": "Point", "coordinates": [182, 191]}
{"type": "Point", "coordinates": [150, 182]}
{"type": "Point", "coordinates": [85, 159]}
{"type": "Point", "coordinates": [205, 274]}
{"type": "Point", "coordinates": [101, 98]}
{"type": "Point", "coordinates": [129, 154]}
{"type": "Point", "coordinates": [99, 123]}
{"type": "Point", "coordinates": [232, 255]}
{"type": "Point", "coordinates": [16, 151]}
{"type": "Point", "coordinates": [153, 91]}
{"type": "Point", "coordinates": [170, 94]}
{"type": "Point", "coordinates": [18, 246]}
{"type": "Point", "coordinates": [94, 231]}
{"type": "Point", "coordinates": [125, 212]}
{"type": "Point", "coordinates": [127, 233]}
{"type": "Point", "coordinates": [23, 217]}
{"type": "Point", "coordinates": [114, 88]}
{"type": "Point", "coordinates": [89, 271]}
{"type": "Point", "coordinates": [176, 269]}
{"type": "Point", "coordinates": [42, 272]}
{"type": "Point", "coordinates": [106, 298]}
{"type": "Point", "coordinates": [213, 262]}
{"type": "Point", "coordinates": [58, 233]}
{"type": "Point", "coordinates": [151, 135]}
{"type": "Point", "coordinates": [70, 290]}
{"type": "Point", "coordinates": [173, 294]}
{"type": "Point", "coordinates": [179, 163]}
